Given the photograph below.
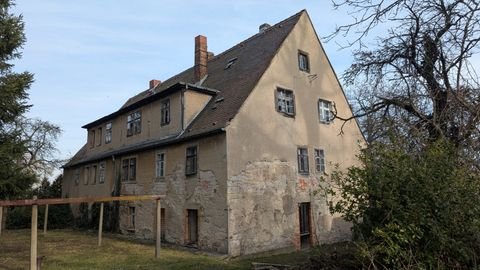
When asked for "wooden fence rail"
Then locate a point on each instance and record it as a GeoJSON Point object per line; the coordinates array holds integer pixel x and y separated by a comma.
{"type": "Point", "coordinates": [34, 203]}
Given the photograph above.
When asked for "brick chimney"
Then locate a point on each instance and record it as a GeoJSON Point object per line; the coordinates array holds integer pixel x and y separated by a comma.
{"type": "Point", "coordinates": [154, 83]}
{"type": "Point", "coordinates": [201, 57]}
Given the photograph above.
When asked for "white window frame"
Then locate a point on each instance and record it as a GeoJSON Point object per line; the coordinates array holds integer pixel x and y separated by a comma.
{"type": "Point", "coordinates": [108, 132]}
{"type": "Point", "coordinates": [160, 164]}
{"type": "Point", "coordinates": [325, 114]}
{"type": "Point", "coordinates": [285, 101]}
{"type": "Point", "coordinates": [303, 61]}
{"type": "Point", "coordinates": [302, 160]}
{"type": "Point", "coordinates": [320, 164]}
{"type": "Point", "coordinates": [101, 172]}
{"type": "Point", "coordinates": [134, 123]}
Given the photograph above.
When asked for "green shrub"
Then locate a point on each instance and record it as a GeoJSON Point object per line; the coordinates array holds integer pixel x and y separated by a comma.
{"type": "Point", "coordinates": [412, 209]}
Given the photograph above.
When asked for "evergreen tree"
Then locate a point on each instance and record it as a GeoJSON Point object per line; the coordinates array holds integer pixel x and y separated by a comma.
{"type": "Point", "coordinates": [13, 103]}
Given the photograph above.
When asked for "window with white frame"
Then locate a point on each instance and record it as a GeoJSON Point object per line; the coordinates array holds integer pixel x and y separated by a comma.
{"type": "Point", "coordinates": [325, 111]}
{"type": "Point", "coordinates": [191, 160]}
{"type": "Point", "coordinates": [108, 132]}
{"type": "Point", "coordinates": [285, 101]}
{"type": "Point", "coordinates": [165, 112]}
{"type": "Point", "coordinates": [303, 63]}
{"type": "Point", "coordinates": [302, 159]}
{"type": "Point", "coordinates": [319, 160]}
{"type": "Point", "coordinates": [101, 173]}
{"type": "Point", "coordinates": [134, 123]}
{"type": "Point", "coordinates": [160, 164]}
{"type": "Point", "coordinates": [129, 169]}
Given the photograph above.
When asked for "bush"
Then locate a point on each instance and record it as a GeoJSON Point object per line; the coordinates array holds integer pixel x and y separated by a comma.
{"type": "Point", "coordinates": [412, 210]}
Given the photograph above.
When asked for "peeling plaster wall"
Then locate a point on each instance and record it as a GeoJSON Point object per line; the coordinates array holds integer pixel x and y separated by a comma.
{"type": "Point", "coordinates": [205, 191]}
{"type": "Point", "coordinates": [264, 187]}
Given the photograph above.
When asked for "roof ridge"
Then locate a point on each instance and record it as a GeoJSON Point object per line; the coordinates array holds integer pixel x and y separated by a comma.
{"type": "Point", "coordinates": [258, 34]}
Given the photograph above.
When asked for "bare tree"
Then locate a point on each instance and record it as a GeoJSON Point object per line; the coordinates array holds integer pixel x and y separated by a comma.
{"type": "Point", "coordinates": [39, 138]}
{"type": "Point", "coordinates": [418, 77]}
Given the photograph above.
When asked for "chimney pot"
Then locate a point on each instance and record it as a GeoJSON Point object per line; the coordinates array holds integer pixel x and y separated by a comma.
{"type": "Point", "coordinates": [154, 83]}
{"type": "Point", "coordinates": [201, 57]}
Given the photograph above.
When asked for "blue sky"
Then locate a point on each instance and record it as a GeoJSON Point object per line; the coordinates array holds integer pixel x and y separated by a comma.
{"type": "Point", "coordinates": [90, 56]}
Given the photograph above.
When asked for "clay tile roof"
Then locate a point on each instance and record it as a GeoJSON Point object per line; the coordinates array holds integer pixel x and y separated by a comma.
{"type": "Point", "coordinates": [252, 58]}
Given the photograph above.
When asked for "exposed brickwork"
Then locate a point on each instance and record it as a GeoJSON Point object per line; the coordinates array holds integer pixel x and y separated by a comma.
{"type": "Point", "coordinates": [201, 57]}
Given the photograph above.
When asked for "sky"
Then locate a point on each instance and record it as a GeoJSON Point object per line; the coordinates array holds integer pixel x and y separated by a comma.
{"type": "Point", "coordinates": [90, 56]}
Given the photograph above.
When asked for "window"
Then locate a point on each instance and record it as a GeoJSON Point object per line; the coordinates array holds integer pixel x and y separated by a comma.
{"type": "Point", "coordinates": [285, 101]}
{"type": "Point", "coordinates": [108, 132]}
{"type": "Point", "coordinates": [99, 136]}
{"type": "Point", "coordinates": [131, 218]}
{"type": "Point", "coordinates": [160, 165]}
{"type": "Point", "coordinates": [303, 63]}
{"type": "Point", "coordinates": [76, 176]}
{"type": "Point", "coordinates": [94, 174]}
{"type": "Point", "coordinates": [304, 214]}
{"type": "Point", "coordinates": [86, 175]}
{"type": "Point", "coordinates": [191, 162]}
{"type": "Point", "coordinates": [319, 160]}
{"type": "Point", "coordinates": [134, 123]}
{"type": "Point", "coordinates": [165, 112]}
{"type": "Point", "coordinates": [325, 111]}
{"type": "Point", "coordinates": [92, 138]}
{"type": "Point", "coordinates": [129, 169]}
{"type": "Point", "coordinates": [101, 173]}
{"type": "Point", "coordinates": [302, 158]}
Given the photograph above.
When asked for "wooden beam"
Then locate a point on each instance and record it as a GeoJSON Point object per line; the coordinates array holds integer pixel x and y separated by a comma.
{"type": "Point", "coordinates": [100, 225]}
{"type": "Point", "coordinates": [45, 220]}
{"type": "Point", "coordinates": [33, 240]}
{"type": "Point", "coordinates": [79, 200]}
{"type": "Point", "coordinates": [159, 230]}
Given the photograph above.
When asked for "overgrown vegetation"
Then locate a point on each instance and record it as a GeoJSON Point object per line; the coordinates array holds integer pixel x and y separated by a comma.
{"type": "Point", "coordinates": [412, 210]}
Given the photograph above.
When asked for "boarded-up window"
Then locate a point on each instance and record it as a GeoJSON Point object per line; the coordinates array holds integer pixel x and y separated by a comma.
{"type": "Point", "coordinates": [192, 226]}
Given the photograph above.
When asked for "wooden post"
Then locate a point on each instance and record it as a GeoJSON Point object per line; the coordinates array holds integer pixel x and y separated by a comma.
{"type": "Point", "coordinates": [158, 231]}
{"type": "Point", "coordinates": [100, 225]}
{"type": "Point", "coordinates": [1, 219]}
{"type": "Point", "coordinates": [33, 245]}
{"type": "Point", "coordinates": [45, 220]}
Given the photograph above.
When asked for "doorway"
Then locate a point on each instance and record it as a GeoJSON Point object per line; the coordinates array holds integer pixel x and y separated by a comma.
{"type": "Point", "coordinates": [304, 214]}
{"type": "Point", "coordinates": [192, 226]}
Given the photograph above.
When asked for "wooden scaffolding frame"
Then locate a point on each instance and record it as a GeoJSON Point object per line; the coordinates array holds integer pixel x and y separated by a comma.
{"type": "Point", "coordinates": [34, 203]}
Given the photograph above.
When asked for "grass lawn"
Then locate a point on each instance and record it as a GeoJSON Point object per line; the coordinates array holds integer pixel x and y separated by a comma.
{"type": "Point", "coordinates": [68, 249]}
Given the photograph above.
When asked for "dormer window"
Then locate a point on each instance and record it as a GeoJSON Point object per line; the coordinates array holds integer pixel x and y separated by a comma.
{"type": "Point", "coordinates": [303, 62]}
{"type": "Point", "coordinates": [165, 112]}
{"type": "Point", "coordinates": [134, 123]}
{"type": "Point", "coordinates": [230, 63]}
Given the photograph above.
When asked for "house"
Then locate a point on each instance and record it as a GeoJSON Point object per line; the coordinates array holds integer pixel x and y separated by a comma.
{"type": "Point", "coordinates": [237, 143]}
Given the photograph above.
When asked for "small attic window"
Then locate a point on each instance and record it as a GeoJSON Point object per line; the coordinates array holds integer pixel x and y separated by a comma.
{"type": "Point", "coordinates": [231, 62]}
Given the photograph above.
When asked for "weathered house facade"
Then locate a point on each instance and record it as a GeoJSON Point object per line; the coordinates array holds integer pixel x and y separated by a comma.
{"type": "Point", "coordinates": [237, 144]}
